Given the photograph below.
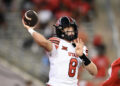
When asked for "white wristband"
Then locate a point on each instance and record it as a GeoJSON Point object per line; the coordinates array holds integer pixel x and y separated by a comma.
{"type": "Point", "coordinates": [30, 30]}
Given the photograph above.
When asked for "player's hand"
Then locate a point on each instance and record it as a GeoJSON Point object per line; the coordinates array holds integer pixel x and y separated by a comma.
{"type": "Point", "coordinates": [26, 26]}
{"type": "Point", "coordinates": [79, 46]}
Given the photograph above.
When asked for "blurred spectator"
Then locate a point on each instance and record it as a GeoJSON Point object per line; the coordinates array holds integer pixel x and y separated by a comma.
{"type": "Point", "coordinates": [84, 11]}
{"type": "Point", "coordinates": [102, 64]}
{"type": "Point", "coordinates": [101, 60]}
{"type": "Point", "coordinates": [51, 5]}
{"type": "Point", "coordinates": [29, 83]}
{"type": "Point", "coordinates": [2, 18]}
{"type": "Point", "coordinates": [27, 43]}
{"type": "Point", "coordinates": [84, 8]}
{"type": "Point", "coordinates": [78, 9]}
{"type": "Point", "coordinates": [45, 16]}
{"type": "Point", "coordinates": [17, 85]}
{"type": "Point", "coordinates": [3, 22]}
{"type": "Point", "coordinates": [68, 8]}
{"type": "Point", "coordinates": [114, 79]}
{"type": "Point", "coordinates": [26, 5]}
{"type": "Point", "coordinates": [92, 5]}
{"type": "Point", "coordinates": [71, 4]}
{"type": "Point", "coordinates": [82, 35]}
{"type": "Point", "coordinates": [97, 40]}
{"type": "Point", "coordinates": [9, 4]}
{"type": "Point", "coordinates": [62, 13]}
{"type": "Point", "coordinates": [46, 19]}
{"type": "Point", "coordinates": [45, 61]}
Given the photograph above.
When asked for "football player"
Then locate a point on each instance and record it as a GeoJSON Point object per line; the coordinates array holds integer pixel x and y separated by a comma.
{"type": "Point", "coordinates": [66, 52]}
{"type": "Point", "coordinates": [114, 79]}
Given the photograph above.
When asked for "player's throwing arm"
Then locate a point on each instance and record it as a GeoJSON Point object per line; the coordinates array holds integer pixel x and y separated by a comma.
{"type": "Point", "coordinates": [30, 20]}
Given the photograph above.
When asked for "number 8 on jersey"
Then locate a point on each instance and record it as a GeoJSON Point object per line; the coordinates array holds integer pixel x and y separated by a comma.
{"type": "Point", "coordinates": [72, 67]}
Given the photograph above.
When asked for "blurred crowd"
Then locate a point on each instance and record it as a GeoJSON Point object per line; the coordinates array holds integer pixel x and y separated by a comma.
{"type": "Point", "coordinates": [48, 12]}
{"type": "Point", "coordinates": [78, 9]}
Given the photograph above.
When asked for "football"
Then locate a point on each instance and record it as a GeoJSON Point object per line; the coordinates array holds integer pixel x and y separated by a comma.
{"type": "Point", "coordinates": [30, 18]}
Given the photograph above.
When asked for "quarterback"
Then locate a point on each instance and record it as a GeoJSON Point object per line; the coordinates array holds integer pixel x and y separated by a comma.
{"type": "Point", "coordinates": [66, 51]}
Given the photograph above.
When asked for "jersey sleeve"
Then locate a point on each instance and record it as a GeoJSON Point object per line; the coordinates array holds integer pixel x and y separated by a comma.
{"type": "Point", "coordinates": [55, 41]}
{"type": "Point", "coordinates": [55, 44]}
{"type": "Point", "coordinates": [112, 79]}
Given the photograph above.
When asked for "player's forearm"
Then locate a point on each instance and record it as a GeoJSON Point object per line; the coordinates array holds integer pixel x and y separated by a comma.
{"type": "Point", "coordinates": [42, 41]}
{"type": "Point", "coordinates": [88, 65]}
{"type": "Point", "coordinates": [91, 68]}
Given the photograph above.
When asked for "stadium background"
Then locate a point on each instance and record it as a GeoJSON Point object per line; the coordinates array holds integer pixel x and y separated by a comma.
{"type": "Point", "coordinates": [24, 63]}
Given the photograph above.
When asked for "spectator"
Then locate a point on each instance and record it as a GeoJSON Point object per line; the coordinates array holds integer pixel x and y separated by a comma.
{"type": "Point", "coordinates": [92, 5]}
{"type": "Point", "coordinates": [101, 60]}
{"type": "Point", "coordinates": [102, 64]}
{"type": "Point", "coordinates": [29, 83]}
{"type": "Point", "coordinates": [26, 5]}
{"type": "Point", "coordinates": [68, 8]}
{"type": "Point", "coordinates": [9, 4]}
{"type": "Point", "coordinates": [27, 43]}
{"type": "Point", "coordinates": [82, 34]}
{"type": "Point", "coordinates": [71, 4]}
{"type": "Point", "coordinates": [51, 5]}
{"type": "Point", "coordinates": [45, 18]}
{"type": "Point", "coordinates": [62, 13]}
{"type": "Point", "coordinates": [2, 19]}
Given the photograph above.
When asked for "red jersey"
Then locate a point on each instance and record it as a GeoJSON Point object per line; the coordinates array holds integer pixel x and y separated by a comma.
{"type": "Point", "coordinates": [102, 64]}
{"type": "Point", "coordinates": [114, 79]}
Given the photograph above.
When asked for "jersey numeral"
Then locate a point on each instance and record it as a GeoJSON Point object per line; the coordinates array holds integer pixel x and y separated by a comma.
{"type": "Point", "coordinates": [72, 67]}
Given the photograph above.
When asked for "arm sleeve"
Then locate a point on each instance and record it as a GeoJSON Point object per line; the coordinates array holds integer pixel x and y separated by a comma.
{"type": "Point", "coordinates": [55, 43]}
{"type": "Point", "coordinates": [112, 78]}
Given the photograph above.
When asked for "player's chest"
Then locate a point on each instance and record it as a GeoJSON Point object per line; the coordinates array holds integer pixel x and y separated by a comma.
{"type": "Point", "coordinates": [67, 50]}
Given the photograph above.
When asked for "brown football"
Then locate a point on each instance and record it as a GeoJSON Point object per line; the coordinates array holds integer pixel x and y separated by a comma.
{"type": "Point", "coordinates": [30, 18]}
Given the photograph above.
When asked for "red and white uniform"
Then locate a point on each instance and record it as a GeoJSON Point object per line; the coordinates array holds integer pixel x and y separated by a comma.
{"type": "Point", "coordinates": [114, 79]}
{"type": "Point", "coordinates": [64, 64]}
